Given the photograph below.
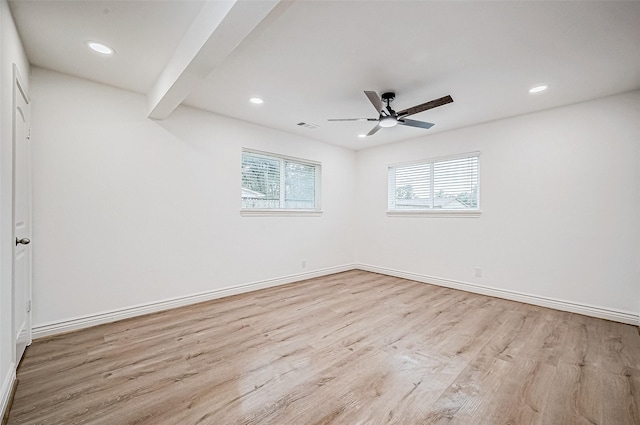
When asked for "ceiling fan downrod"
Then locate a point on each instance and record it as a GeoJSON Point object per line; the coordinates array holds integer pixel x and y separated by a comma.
{"type": "Point", "coordinates": [390, 119]}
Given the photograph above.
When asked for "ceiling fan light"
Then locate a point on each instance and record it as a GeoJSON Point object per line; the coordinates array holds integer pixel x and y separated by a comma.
{"type": "Point", "coordinates": [388, 122]}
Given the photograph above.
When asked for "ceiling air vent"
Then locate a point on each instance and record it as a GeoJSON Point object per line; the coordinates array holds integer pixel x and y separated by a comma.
{"type": "Point", "coordinates": [308, 125]}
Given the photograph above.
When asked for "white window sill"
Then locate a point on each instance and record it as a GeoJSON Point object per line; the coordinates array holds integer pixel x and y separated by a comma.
{"type": "Point", "coordinates": [279, 213]}
{"type": "Point", "coordinates": [434, 213]}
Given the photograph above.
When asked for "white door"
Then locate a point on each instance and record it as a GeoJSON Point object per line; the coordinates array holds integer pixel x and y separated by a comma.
{"type": "Point", "coordinates": [21, 217]}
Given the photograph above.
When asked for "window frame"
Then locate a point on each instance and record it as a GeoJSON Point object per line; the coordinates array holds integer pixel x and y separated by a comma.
{"type": "Point", "coordinates": [443, 213]}
{"type": "Point", "coordinates": [285, 212]}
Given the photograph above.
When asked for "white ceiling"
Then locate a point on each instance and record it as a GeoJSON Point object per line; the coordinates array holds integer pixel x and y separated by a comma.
{"type": "Point", "coordinates": [311, 60]}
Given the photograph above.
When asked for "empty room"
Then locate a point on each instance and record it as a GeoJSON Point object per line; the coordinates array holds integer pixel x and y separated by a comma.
{"type": "Point", "coordinates": [319, 212]}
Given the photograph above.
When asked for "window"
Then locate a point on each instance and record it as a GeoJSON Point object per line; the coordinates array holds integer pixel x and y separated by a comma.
{"type": "Point", "coordinates": [443, 185]}
{"type": "Point", "coordinates": [277, 183]}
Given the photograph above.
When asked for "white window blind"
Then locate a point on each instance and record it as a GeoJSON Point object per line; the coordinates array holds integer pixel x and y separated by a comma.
{"type": "Point", "coordinates": [273, 182]}
{"type": "Point", "coordinates": [448, 184]}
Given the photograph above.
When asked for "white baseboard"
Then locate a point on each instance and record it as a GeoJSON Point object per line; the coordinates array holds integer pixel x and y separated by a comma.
{"type": "Point", "coordinates": [53, 328]}
{"type": "Point", "coordinates": [5, 391]}
{"type": "Point", "coordinates": [584, 309]}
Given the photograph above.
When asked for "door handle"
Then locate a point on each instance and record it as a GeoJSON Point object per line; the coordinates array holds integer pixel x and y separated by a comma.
{"type": "Point", "coordinates": [23, 241]}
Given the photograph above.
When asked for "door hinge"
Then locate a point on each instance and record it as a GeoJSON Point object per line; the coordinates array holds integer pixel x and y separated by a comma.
{"type": "Point", "coordinates": [29, 306]}
{"type": "Point", "coordinates": [29, 134]}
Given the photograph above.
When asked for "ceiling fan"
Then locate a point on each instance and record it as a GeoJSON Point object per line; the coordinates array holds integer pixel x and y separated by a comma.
{"type": "Point", "coordinates": [390, 118]}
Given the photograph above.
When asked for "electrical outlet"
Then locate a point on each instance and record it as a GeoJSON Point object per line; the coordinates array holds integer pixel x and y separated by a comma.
{"type": "Point", "coordinates": [478, 271]}
{"type": "Point", "coordinates": [304, 264]}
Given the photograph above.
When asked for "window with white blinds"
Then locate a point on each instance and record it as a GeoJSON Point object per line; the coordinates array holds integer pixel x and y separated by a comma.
{"type": "Point", "coordinates": [274, 182]}
{"type": "Point", "coordinates": [440, 185]}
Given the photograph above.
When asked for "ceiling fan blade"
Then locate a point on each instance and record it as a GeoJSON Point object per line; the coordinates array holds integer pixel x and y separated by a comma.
{"type": "Point", "coordinates": [424, 106]}
{"type": "Point", "coordinates": [375, 100]}
{"type": "Point", "coordinates": [374, 130]}
{"type": "Point", "coordinates": [352, 119]}
{"type": "Point", "coordinates": [414, 123]}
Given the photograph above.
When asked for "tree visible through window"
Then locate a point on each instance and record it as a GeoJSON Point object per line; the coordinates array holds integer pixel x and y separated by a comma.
{"type": "Point", "coordinates": [442, 184]}
{"type": "Point", "coordinates": [275, 182]}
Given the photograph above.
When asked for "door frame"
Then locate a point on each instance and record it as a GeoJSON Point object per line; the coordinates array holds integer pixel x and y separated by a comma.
{"type": "Point", "coordinates": [19, 89]}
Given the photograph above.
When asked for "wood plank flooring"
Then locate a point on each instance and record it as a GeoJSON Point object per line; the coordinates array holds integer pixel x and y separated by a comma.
{"type": "Point", "coordinates": [350, 348]}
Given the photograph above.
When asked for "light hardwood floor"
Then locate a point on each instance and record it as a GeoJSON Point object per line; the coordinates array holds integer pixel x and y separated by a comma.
{"type": "Point", "coordinates": [351, 348]}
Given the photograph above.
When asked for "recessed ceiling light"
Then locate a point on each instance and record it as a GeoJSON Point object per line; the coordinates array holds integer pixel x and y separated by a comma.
{"type": "Point", "coordinates": [538, 89]}
{"type": "Point", "coordinates": [256, 100]}
{"type": "Point", "coordinates": [100, 48]}
{"type": "Point", "coordinates": [362, 135]}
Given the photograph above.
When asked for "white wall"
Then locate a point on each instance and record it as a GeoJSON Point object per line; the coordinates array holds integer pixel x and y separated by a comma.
{"type": "Point", "coordinates": [129, 211]}
{"type": "Point", "coordinates": [560, 201]}
{"type": "Point", "coordinates": [11, 52]}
